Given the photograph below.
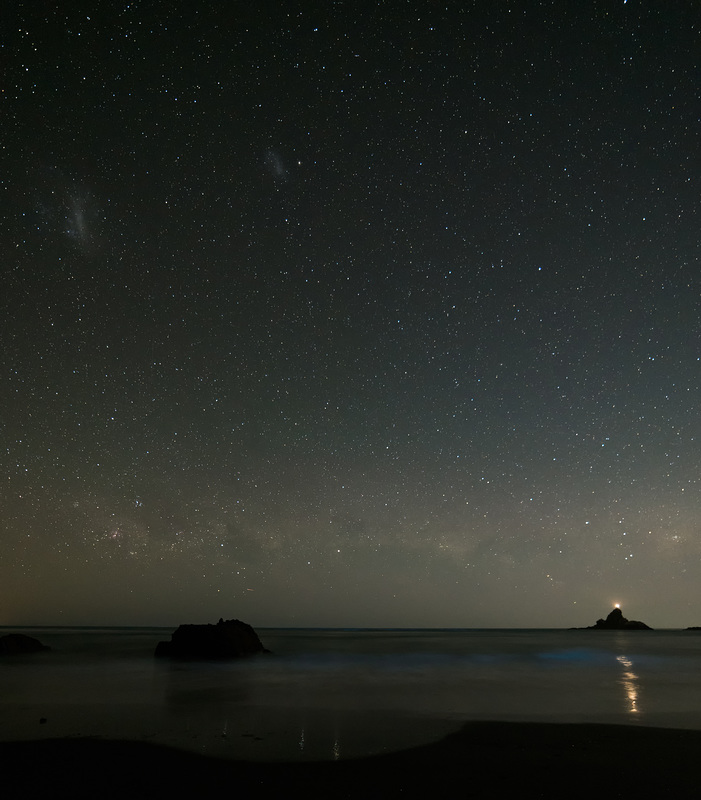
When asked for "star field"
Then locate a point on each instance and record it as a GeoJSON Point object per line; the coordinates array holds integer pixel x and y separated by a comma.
{"type": "Point", "coordinates": [378, 314]}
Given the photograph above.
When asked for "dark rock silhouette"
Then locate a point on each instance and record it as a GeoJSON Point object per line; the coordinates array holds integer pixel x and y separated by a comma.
{"type": "Point", "coordinates": [229, 638]}
{"type": "Point", "coordinates": [18, 644]}
{"type": "Point", "coordinates": [617, 622]}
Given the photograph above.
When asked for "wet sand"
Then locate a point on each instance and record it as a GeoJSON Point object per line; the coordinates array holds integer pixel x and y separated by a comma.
{"type": "Point", "coordinates": [483, 759]}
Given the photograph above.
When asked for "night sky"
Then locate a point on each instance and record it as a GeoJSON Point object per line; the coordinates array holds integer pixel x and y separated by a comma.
{"type": "Point", "coordinates": [350, 313]}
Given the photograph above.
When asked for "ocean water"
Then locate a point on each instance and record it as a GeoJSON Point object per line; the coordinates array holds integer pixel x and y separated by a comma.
{"type": "Point", "coordinates": [344, 693]}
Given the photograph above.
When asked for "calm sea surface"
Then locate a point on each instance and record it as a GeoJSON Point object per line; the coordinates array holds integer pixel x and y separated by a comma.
{"type": "Point", "coordinates": [344, 693]}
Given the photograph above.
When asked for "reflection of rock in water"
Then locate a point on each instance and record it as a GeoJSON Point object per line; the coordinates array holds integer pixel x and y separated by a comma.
{"type": "Point", "coordinates": [212, 695]}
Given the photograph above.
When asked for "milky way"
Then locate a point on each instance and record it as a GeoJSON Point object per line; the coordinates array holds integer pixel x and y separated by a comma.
{"type": "Point", "coordinates": [356, 316]}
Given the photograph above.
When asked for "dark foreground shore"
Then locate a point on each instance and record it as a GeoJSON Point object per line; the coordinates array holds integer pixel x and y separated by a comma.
{"type": "Point", "coordinates": [484, 759]}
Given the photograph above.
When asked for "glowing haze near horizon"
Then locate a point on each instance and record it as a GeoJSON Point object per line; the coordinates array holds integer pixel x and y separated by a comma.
{"type": "Point", "coordinates": [350, 314]}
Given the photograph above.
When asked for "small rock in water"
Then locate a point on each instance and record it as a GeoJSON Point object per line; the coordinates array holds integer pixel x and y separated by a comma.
{"type": "Point", "coordinates": [229, 638]}
{"type": "Point", "coordinates": [19, 643]}
{"type": "Point", "coordinates": [617, 622]}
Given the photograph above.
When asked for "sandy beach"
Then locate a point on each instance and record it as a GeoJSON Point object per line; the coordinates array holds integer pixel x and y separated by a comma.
{"type": "Point", "coordinates": [484, 759]}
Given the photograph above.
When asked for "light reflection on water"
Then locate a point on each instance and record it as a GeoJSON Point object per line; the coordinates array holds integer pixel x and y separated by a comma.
{"type": "Point", "coordinates": [630, 684]}
{"type": "Point", "coordinates": [334, 694]}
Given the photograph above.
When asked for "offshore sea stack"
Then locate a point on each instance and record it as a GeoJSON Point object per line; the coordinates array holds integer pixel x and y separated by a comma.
{"type": "Point", "coordinates": [617, 622]}
{"type": "Point", "coordinates": [229, 638]}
